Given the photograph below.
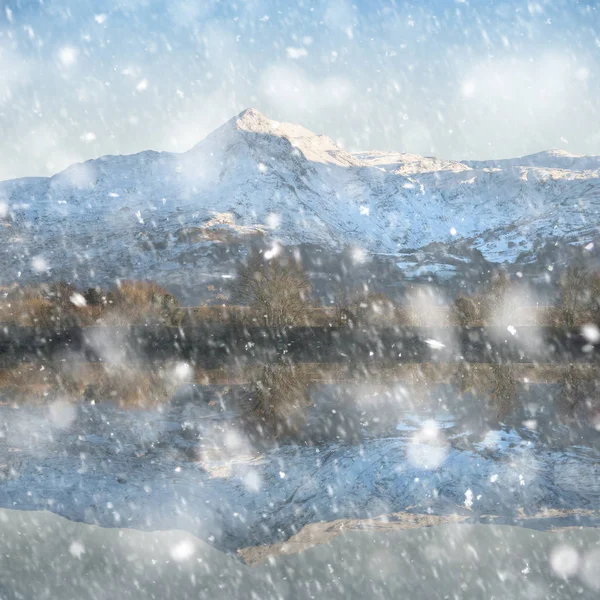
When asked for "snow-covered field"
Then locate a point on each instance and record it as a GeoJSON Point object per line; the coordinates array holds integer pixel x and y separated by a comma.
{"type": "Point", "coordinates": [474, 561]}
{"type": "Point", "coordinates": [191, 465]}
{"type": "Point", "coordinates": [72, 560]}
{"type": "Point", "coordinates": [155, 213]}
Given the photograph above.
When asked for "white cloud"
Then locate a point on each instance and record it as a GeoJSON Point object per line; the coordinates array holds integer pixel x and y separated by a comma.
{"type": "Point", "coordinates": [295, 53]}
{"type": "Point", "coordinates": [186, 13]}
{"type": "Point", "coordinates": [468, 88]}
{"type": "Point", "coordinates": [50, 148]}
{"type": "Point", "coordinates": [197, 118]}
{"type": "Point", "coordinates": [14, 72]}
{"type": "Point", "coordinates": [520, 98]}
{"type": "Point", "coordinates": [88, 137]}
{"type": "Point", "coordinates": [340, 15]}
{"type": "Point", "coordinates": [290, 90]}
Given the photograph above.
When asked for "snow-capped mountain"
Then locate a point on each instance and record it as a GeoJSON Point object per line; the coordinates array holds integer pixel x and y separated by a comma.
{"type": "Point", "coordinates": [550, 159]}
{"type": "Point", "coordinates": [152, 213]}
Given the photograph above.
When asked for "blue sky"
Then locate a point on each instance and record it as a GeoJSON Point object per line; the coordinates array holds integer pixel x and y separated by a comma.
{"type": "Point", "coordinates": [457, 79]}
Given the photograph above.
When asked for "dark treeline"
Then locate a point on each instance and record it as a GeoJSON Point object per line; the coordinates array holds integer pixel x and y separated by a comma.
{"type": "Point", "coordinates": [213, 345]}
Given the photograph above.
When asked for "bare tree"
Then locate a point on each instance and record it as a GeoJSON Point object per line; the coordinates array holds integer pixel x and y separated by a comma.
{"type": "Point", "coordinates": [499, 302]}
{"type": "Point", "coordinates": [575, 294]}
{"type": "Point", "coordinates": [467, 311]}
{"type": "Point", "coordinates": [281, 398]}
{"type": "Point", "coordinates": [504, 389]}
{"type": "Point", "coordinates": [595, 297]}
{"type": "Point", "coordinates": [276, 288]}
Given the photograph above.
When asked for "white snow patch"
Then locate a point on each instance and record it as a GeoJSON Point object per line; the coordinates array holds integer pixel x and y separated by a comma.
{"type": "Point", "coordinates": [78, 300]}
{"type": "Point", "coordinates": [564, 560]}
{"type": "Point", "coordinates": [428, 448]}
{"type": "Point", "coordinates": [62, 414]}
{"type": "Point", "coordinates": [252, 481]}
{"type": "Point", "coordinates": [590, 571]}
{"type": "Point", "coordinates": [273, 220]}
{"type": "Point", "coordinates": [77, 549]}
{"type": "Point", "coordinates": [591, 333]}
{"type": "Point", "coordinates": [273, 252]}
{"type": "Point", "coordinates": [435, 344]}
{"type": "Point", "coordinates": [39, 264]}
{"type": "Point", "coordinates": [182, 551]}
{"type": "Point", "coordinates": [468, 498]}
{"type": "Point", "coordinates": [183, 371]}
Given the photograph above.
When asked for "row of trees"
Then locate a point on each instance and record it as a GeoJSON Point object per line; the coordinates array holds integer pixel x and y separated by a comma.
{"type": "Point", "coordinates": [578, 300]}
{"type": "Point", "coordinates": [276, 293]}
{"type": "Point", "coordinates": [277, 290]}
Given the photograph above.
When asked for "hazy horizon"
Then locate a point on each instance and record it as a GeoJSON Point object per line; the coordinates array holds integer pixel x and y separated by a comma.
{"type": "Point", "coordinates": [454, 79]}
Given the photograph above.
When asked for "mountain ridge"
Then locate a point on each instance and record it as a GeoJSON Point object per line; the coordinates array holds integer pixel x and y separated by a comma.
{"type": "Point", "coordinates": [130, 215]}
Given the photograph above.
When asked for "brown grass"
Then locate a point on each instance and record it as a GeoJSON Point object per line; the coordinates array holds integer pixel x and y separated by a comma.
{"type": "Point", "coordinates": [142, 302]}
{"type": "Point", "coordinates": [130, 388]}
{"type": "Point", "coordinates": [51, 307]}
{"type": "Point", "coordinates": [145, 302]}
{"type": "Point", "coordinates": [369, 309]}
{"type": "Point", "coordinates": [127, 386]}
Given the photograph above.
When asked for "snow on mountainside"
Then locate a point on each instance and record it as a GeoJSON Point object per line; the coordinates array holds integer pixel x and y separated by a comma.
{"type": "Point", "coordinates": [149, 214]}
{"type": "Point", "coordinates": [408, 164]}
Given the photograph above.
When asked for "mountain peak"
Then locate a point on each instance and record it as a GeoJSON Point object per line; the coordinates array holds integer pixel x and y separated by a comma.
{"type": "Point", "coordinates": [252, 120]}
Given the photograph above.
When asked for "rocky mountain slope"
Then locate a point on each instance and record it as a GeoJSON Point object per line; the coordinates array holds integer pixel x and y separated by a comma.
{"type": "Point", "coordinates": [152, 213]}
